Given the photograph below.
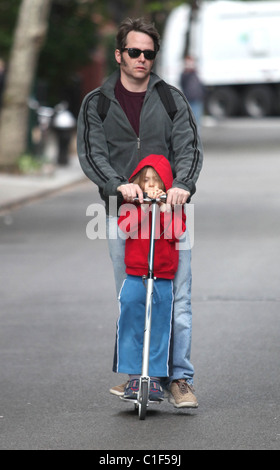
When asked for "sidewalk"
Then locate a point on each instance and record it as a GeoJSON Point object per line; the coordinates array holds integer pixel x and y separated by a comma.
{"type": "Point", "coordinates": [20, 189]}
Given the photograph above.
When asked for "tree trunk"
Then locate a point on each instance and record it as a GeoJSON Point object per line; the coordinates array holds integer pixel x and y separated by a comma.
{"type": "Point", "coordinates": [29, 37]}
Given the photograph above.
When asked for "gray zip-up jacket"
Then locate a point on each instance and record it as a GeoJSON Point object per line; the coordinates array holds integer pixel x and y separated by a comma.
{"type": "Point", "coordinates": [109, 151]}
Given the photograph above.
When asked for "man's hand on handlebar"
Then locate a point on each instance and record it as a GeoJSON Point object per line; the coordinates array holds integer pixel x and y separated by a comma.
{"type": "Point", "coordinates": [177, 196]}
{"type": "Point", "coordinates": [130, 192]}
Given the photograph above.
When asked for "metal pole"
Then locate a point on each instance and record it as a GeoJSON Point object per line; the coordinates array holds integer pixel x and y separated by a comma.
{"type": "Point", "coordinates": [149, 295]}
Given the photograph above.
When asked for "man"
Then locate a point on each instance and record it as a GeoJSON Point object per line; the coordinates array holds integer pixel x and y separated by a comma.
{"type": "Point", "coordinates": [111, 144]}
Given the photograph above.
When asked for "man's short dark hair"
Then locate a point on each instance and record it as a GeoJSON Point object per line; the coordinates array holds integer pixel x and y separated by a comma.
{"type": "Point", "coordinates": [139, 25]}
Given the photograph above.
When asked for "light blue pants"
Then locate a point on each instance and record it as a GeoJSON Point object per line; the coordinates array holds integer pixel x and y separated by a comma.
{"type": "Point", "coordinates": [131, 325]}
{"type": "Point", "coordinates": [182, 310]}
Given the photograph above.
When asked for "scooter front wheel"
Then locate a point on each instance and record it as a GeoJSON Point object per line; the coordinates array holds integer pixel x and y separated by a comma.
{"type": "Point", "coordinates": [143, 400]}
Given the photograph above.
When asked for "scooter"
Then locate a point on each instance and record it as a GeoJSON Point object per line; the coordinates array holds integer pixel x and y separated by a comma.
{"type": "Point", "coordinates": [142, 401]}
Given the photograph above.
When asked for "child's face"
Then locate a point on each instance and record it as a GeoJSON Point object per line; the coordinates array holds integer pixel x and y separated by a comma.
{"type": "Point", "coordinates": [151, 181]}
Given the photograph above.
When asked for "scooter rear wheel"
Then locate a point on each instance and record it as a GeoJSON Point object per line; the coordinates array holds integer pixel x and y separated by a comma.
{"type": "Point", "coordinates": [143, 401]}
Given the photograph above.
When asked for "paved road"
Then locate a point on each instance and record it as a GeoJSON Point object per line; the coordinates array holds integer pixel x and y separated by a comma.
{"type": "Point", "coordinates": [58, 312]}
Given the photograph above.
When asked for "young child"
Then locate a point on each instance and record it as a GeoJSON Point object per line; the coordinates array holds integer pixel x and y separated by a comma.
{"type": "Point", "coordinates": [154, 176]}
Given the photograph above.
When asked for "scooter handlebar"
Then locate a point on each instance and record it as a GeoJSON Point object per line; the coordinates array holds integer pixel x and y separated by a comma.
{"type": "Point", "coordinates": [149, 200]}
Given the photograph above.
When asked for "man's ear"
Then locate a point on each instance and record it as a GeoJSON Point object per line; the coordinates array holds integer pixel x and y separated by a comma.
{"type": "Point", "coordinates": [118, 56]}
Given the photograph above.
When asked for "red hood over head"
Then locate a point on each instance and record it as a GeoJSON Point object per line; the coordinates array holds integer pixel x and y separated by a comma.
{"type": "Point", "coordinates": [161, 165]}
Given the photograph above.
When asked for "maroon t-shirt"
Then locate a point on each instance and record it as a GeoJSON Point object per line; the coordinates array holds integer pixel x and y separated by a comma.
{"type": "Point", "coordinates": [131, 103]}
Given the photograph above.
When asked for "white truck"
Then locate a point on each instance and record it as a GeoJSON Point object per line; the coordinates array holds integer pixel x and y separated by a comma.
{"type": "Point", "coordinates": [236, 46]}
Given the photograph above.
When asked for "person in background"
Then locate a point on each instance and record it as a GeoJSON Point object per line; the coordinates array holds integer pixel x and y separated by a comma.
{"type": "Point", "coordinates": [193, 88]}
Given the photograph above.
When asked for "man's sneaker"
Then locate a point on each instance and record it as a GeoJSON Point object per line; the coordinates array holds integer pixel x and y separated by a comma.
{"type": "Point", "coordinates": [181, 395]}
{"type": "Point", "coordinates": [118, 389]}
{"type": "Point", "coordinates": [131, 389]}
{"type": "Point", "coordinates": [156, 391]}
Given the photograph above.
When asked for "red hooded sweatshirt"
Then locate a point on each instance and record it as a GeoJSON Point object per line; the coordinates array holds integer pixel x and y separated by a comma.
{"type": "Point", "coordinates": [135, 223]}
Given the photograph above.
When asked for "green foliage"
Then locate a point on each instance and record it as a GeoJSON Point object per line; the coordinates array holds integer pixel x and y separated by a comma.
{"type": "Point", "coordinates": [8, 17]}
{"type": "Point", "coordinates": [153, 6]}
{"type": "Point", "coordinates": [29, 164]}
{"type": "Point", "coordinates": [71, 37]}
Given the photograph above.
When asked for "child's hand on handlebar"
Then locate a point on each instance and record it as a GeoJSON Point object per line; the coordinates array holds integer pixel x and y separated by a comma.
{"type": "Point", "coordinates": [155, 193]}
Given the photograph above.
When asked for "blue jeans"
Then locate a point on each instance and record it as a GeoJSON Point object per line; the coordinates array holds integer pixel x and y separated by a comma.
{"type": "Point", "coordinates": [182, 314]}
{"type": "Point", "coordinates": [131, 326]}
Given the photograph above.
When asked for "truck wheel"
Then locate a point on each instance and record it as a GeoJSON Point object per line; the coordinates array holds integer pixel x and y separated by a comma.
{"type": "Point", "coordinates": [258, 101]}
{"type": "Point", "coordinates": [222, 102]}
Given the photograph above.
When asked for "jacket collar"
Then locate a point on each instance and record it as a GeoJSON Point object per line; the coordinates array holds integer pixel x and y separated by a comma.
{"type": "Point", "coordinates": [108, 87]}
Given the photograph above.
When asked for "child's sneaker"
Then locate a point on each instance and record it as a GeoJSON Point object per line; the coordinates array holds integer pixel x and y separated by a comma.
{"type": "Point", "coordinates": [131, 389]}
{"type": "Point", "coordinates": [181, 394]}
{"type": "Point", "coordinates": [118, 389]}
{"type": "Point", "coordinates": [156, 391]}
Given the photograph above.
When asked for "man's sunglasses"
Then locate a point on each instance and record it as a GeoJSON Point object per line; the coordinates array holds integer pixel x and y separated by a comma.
{"type": "Point", "coordinates": [134, 53]}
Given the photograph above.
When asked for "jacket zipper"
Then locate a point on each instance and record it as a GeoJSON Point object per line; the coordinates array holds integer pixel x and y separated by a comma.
{"type": "Point", "coordinates": [138, 143]}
